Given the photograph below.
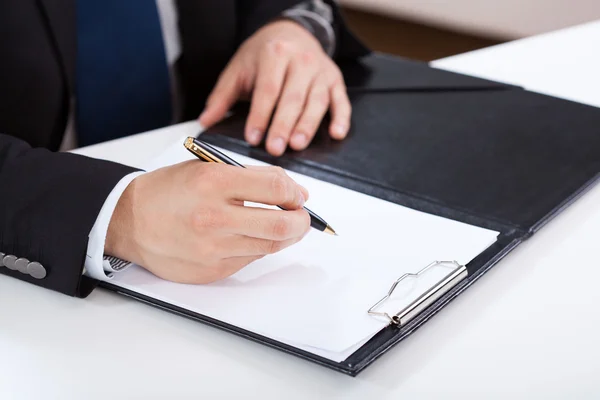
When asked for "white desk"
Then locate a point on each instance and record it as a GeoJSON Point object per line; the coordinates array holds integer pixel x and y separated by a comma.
{"type": "Point", "coordinates": [506, 19]}
{"type": "Point", "coordinates": [529, 329]}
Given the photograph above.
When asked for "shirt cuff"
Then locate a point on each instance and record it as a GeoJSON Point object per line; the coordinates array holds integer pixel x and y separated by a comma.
{"type": "Point", "coordinates": [97, 266]}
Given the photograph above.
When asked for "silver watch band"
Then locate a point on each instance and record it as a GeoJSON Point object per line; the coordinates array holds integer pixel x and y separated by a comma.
{"type": "Point", "coordinates": [317, 18]}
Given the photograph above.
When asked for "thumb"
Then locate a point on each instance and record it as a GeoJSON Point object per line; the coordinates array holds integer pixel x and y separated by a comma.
{"type": "Point", "coordinates": [223, 96]}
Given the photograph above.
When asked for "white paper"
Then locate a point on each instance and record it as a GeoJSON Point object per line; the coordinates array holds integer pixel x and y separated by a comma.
{"type": "Point", "coordinates": [315, 294]}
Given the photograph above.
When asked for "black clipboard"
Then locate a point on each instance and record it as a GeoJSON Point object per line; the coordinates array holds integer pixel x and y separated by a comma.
{"type": "Point", "coordinates": [468, 149]}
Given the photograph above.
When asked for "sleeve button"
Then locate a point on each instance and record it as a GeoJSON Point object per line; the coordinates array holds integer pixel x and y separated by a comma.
{"type": "Point", "coordinates": [36, 270]}
{"type": "Point", "coordinates": [21, 265]}
{"type": "Point", "coordinates": [9, 262]}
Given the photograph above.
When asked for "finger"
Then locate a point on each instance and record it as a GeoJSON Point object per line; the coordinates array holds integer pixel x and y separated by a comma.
{"type": "Point", "coordinates": [244, 246]}
{"type": "Point", "coordinates": [293, 99]}
{"type": "Point", "coordinates": [316, 108]}
{"type": "Point", "coordinates": [269, 81]}
{"type": "Point", "coordinates": [262, 223]}
{"type": "Point", "coordinates": [264, 168]}
{"type": "Point", "coordinates": [223, 96]}
{"type": "Point", "coordinates": [270, 186]}
{"type": "Point", "coordinates": [341, 111]}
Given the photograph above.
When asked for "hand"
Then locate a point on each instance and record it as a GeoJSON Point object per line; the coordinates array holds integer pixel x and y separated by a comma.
{"type": "Point", "coordinates": [285, 68]}
{"type": "Point", "coordinates": [187, 223]}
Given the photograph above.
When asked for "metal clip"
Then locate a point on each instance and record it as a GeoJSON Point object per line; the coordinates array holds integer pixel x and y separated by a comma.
{"type": "Point", "coordinates": [458, 273]}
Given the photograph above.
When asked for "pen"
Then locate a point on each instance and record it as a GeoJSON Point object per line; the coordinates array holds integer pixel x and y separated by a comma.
{"type": "Point", "coordinates": [207, 153]}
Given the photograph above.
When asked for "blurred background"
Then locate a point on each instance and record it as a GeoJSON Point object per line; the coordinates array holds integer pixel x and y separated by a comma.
{"type": "Point", "coordinates": [430, 29]}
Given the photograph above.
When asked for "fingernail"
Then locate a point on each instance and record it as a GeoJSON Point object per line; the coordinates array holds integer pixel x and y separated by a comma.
{"type": "Point", "coordinates": [299, 140]}
{"type": "Point", "coordinates": [254, 136]}
{"type": "Point", "coordinates": [278, 145]}
{"type": "Point", "coordinates": [339, 129]}
{"type": "Point", "coordinates": [300, 198]}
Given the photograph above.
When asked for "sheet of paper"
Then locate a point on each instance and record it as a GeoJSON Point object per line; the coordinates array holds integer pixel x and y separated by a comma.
{"type": "Point", "coordinates": [315, 294]}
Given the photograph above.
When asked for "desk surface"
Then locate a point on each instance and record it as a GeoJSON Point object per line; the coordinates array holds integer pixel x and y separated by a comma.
{"type": "Point", "coordinates": [528, 329]}
{"type": "Point", "coordinates": [508, 19]}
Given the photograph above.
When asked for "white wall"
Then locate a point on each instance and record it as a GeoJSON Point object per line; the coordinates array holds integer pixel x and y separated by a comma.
{"type": "Point", "coordinates": [505, 19]}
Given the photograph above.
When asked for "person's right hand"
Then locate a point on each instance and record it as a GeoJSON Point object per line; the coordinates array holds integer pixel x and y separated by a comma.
{"type": "Point", "coordinates": [187, 223]}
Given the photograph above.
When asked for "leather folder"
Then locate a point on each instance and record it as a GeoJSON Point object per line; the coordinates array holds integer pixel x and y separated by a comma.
{"type": "Point", "coordinates": [468, 149]}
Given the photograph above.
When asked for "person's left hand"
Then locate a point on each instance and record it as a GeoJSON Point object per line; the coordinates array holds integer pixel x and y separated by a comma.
{"type": "Point", "coordinates": [286, 71]}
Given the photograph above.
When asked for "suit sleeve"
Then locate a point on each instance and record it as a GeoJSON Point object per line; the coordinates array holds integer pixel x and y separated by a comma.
{"type": "Point", "coordinates": [252, 15]}
{"type": "Point", "coordinates": [48, 205]}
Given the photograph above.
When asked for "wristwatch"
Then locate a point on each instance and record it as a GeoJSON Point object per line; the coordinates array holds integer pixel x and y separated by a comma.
{"type": "Point", "coordinates": [317, 18]}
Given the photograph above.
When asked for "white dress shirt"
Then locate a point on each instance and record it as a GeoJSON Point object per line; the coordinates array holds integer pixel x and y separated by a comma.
{"type": "Point", "coordinates": [97, 265]}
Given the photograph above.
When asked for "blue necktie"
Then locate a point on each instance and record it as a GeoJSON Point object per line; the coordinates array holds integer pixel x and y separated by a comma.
{"type": "Point", "coordinates": [122, 78]}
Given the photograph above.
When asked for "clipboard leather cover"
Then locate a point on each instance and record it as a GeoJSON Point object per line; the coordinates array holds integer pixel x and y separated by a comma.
{"type": "Point", "coordinates": [468, 149]}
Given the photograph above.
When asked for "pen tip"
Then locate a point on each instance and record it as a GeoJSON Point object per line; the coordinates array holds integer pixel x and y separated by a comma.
{"type": "Point", "coordinates": [330, 231]}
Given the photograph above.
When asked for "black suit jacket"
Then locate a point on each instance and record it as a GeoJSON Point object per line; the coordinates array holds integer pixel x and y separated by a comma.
{"type": "Point", "coordinates": [49, 201]}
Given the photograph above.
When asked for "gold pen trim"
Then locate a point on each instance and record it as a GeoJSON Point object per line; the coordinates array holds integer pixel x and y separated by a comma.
{"type": "Point", "coordinates": [200, 152]}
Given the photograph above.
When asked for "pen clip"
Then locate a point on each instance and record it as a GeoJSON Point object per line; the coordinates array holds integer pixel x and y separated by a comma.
{"type": "Point", "coordinates": [200, 152]}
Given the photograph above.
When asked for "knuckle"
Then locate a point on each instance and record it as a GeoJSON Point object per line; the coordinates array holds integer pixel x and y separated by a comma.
{"type": "Point", "coordinates": [321, 98]}
{"type": "Point", "coordinates": [294, 97]}
{"type": "Point", "coordinates": [267, 247]}
{"type": "Point", "coordinates": [280, 188]}
{"type": "Point", "coordinates": [306, 57]}
{"type": "Point", "coordinates": [278, 46]}
{"type": "Point", "coordinates": [281, 227]}
{"type": "Point", "coordinates": [270, 88]}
